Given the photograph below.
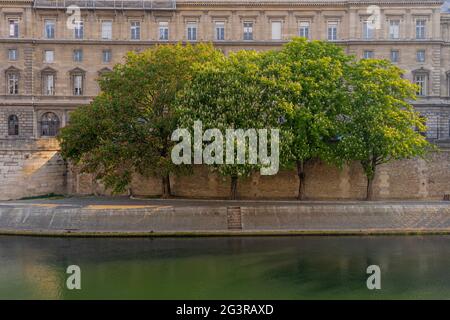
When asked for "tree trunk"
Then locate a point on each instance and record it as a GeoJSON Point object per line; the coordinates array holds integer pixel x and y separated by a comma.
{"type": "Point", "coordinates": [233, 191]}
{"type": "Point", "coordinates": [369, 192]}
{"type": "Point", "coordinates": [166, 186]}
{"type": "Point", "coordinates": [130, 192]}
{"type": "Point", "coordinates": [370, 173]}
{"type": "Point", "coordinates": [301, 179]}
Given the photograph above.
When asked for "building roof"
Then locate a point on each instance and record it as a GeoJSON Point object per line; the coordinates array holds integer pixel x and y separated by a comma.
{"type": "Point", "coordinates": [299, 2]}
{"type": "Point", "coordinates": [171, 4]}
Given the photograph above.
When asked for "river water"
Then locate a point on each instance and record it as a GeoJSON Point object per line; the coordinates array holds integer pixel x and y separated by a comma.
{"type": "Point", "coordinates": [225, 268]}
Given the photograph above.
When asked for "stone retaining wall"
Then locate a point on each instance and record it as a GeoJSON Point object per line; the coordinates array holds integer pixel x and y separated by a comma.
{"type": "Point", "coordinates": [317, 218]}
{"type": "Point", "coordinates": [30, 167]}
{"type": "Point", "coordinates": [408, 179]}
{"type": "Point", "coordinates": [33, 167]}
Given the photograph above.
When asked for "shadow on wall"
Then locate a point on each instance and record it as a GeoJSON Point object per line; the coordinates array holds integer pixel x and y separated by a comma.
{"type": "Point", "coordinates": [31, 168]}
{"type": "Point", "coordinates": [407, 179]}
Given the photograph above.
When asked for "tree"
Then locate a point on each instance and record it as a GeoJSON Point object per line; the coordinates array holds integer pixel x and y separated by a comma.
{"type": "Point", "coordinates": [313, 124]}
{"type": "Point", "coordinates": [382, 125]}
{"type": "Point", "coordinates": [127, 128]}
{"type": "Point", "coordinates": [243, 91]}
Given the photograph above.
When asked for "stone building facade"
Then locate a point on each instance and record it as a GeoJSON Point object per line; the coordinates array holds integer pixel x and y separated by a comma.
{"type": "Point", "coordinates": [52, 51]}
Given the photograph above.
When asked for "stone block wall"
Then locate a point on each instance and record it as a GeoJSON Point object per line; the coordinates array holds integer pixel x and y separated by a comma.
{"type": "Point", "coordinates": [408, 179]}
{"type": "Point", "coordinates": [30, 168]}
{"type": "Point", "coordinates": [33, 167]}
{"type": "Point", "coordinates": [26, 120]}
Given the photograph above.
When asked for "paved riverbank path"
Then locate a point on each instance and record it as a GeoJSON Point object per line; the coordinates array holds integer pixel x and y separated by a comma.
{"type": "Point", "coordinates": [121, 216]}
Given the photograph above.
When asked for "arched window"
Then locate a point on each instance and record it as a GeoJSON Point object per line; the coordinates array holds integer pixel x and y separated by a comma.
{"type": "Point", "coordinates": [13, 125]}
{"type": "Point", "coordinates": [49, 124]}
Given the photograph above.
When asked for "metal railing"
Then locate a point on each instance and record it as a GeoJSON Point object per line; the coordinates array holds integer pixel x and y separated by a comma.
{"type": "Point", "coordinates": [107, 4]}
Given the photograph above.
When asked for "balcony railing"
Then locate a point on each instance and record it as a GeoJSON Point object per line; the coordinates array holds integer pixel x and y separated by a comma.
{"type": "Point", "coordinates": [107, 4]}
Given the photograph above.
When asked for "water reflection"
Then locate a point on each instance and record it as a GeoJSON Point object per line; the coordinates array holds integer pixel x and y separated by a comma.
{"type": "Point", "coordinates": [225, 268]}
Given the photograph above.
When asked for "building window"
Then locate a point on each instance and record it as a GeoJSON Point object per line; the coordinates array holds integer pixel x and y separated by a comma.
{"type": "Point", "coordinates": [49, 29]}
{"type": "Point", "coordinates": [191, 30]}
{"type": "Point", "coordinates": [395, 56]}
{"type": "Point", "coordinates": [77, 83]}
{"type": "Point", "coordinates": [368, 54]}
{"type": "Point", "coordinates": [49, 56]}
{"type": "Point", "coordinates": [13, 83]}
{"type": "Point", "coordinates": [368, 30]}
{"type": "Point", "coordinates": [78, 30]}
{"type": "Point", "coordinates": [448, 84]}
{"type": "Point", "coordinates": [13, 28]}
{"type": "Point", "coordinates": [421, 81]}
{"type": "Point", "coordinates": [12, 54]}
{"type": "Point", "coordinates": [276, 30]}
{"type": "Point", "coordinates": [13, 125]}
{"type": "Point", "coordinates": [420, 55]}
{"type": "Point", "coordinates": [104, 71]}
{"type": "Point", "coordinates": [421, 28]}
{"type": "Point", "coordinates": [303, 30]}
{"type": "Point", "coordinates": [220, 30]}
{"type": "Point", "coordinates": [107, 30]}
{"type": "Point", "coordinates": [135, 30]}
{"type": "Point", "coordinates": [77, 55]}
{"type": "Point", "coordinates": [423, 119]}
{"type": "Point", "coordinates": [48, 84]}
{"type": "Point", "coordinates": [332, 31]}
{"type": "Point", "coordinates": [248, 30]}
{"type": "Point", "coordinates": [394, 29]}
{"type": "Point", "coordinates": [77, 80]}
{"type": "Point", "coordinates": [163, 31]}
{"type": "Point", "coordinates": [106, 56]}
{"type": "Point", "coordinates": [49, 124]}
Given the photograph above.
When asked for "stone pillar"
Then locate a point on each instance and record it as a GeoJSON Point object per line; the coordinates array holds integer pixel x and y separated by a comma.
{"type": "Point", "coordinates": [435, 76]}
{"type": "Point", "coordinates": [205, 26]}
{"type": "Point", "coordinates": [261, 26]}
{"type": "Point", "coordinates": [35, 124]}
{"type": "Point", "coordinates": [179, 27]}
{"type": "Point", "coordinates": [89, 25]}
{"type": "Point", "coordinates": [122, 24]}
{"type": "Point", "coordinates": [409, 27]}
{"type": "Point", "coordinates": [291, 29]}
{"type": "Point", "coordinates": [234, 26]}
{"type": "Point", "coordinates": [319, 22]}
{"type": "Point", "coordinates": [64, 118]}
{"type": "Point", "coordinates": [436, 22]}
{"type": "Point", "coordinates": [381, 32]}
{"type": "Point", "coordinates": [352, 24]}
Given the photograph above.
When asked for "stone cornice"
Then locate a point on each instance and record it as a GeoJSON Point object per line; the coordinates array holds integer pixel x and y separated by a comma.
{"type": "Point", "coordinates": [287, 3]}
{"type": "Point", "coordinates": [302, 3]}
{"type": "Point", "coordinates": [15, 1]}
{"type": "Point", "coordinates": [63, 102]}
{"type": "Point", "coordinates": [134, 43]}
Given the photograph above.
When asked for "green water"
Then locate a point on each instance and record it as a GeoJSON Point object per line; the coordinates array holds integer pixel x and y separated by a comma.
{"type": "Point", "coordinates": [225, 268]}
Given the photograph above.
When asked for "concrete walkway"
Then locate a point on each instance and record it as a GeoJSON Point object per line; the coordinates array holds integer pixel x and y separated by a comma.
{"type": "Point", "coordinates": [120, 216]}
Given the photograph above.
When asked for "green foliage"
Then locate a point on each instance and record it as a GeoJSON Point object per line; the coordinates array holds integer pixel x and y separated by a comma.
{"type": "Point", "coordinates": [334, 108]}
{"type": "Point", "coordinates": [127, 128]}
{"type": "Point", "coordinates": [382, 124]}
{"type": "Point", "coordinates": [245, 90]}
{"type": "Point", "coordinates": [319, 68]}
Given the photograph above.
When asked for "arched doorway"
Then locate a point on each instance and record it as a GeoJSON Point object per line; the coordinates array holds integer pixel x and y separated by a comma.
{"type": "Point", "coordinates": [49, 124]}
